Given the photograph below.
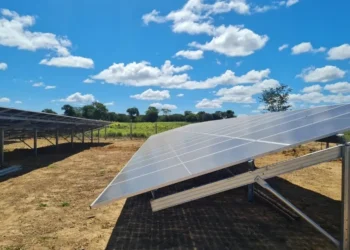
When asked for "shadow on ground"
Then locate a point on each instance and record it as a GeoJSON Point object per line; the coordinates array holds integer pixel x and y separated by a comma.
{"type": "Point", "coordinates": [46, 156]}
{"type": "Point", "coordinates": [225, 221]}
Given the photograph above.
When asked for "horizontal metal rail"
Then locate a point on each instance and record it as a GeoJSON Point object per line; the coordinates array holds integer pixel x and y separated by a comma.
{"type": "Point", "coordinates": [247, 178]}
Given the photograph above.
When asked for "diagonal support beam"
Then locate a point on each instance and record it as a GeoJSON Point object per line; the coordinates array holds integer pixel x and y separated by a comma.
{"type": "Point", "coordinates": [247, 178]}
{"type": "Point", "coordinates": [266, 186]}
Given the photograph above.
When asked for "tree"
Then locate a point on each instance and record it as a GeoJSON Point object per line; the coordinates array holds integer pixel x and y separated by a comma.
{"type": "Point", "coordinates": [151, 114]}
{"type": "Point", "coordinates": [49, 111]}
{"type": "Point", "coordinates": [191, 118]}
{"type": "Point", "coordinates": [166, 111]}
{"type": "Point", "coordinates": [230, 114]}
{"type": "Point", "coordinates": [186, 113]}
{"type": "Point", "coordinates": [276, 99]}
{"type": "Point", "coordinates": [100, 111]}
{"type": "Point", "coordinates": [218, 115]}
{"type": "Point", "coordinates": [133, 113]}
{"type": "Point", "coordinates": [69, 110]}
{"type": "Point", "coordinates": [88, 111]}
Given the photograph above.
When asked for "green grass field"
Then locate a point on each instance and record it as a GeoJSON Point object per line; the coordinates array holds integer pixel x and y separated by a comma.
{"type": "Point", "coordinates": [140, 129]}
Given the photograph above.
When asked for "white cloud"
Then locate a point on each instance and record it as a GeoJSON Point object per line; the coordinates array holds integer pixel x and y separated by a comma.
{"type": "Point", "coordinates": [313, 88]}
{"type": "Point", "coordinates": [50, 87]}
{"type": "Point", "coordinates": [306, 47]}
{"type": "Point", "coordinates": [218, 62]}
{"type": "Point", "coordinates": [339, 87]}
{"type": "Point", "coordinates": [291, 2]}
{"type": "Point", "coordinates": [109, 104]}
{"type": "Point", "coordinates": [234, 41]}
{"type": "Point", "coordinates": [190, 54]}
{"type": "Point", "coordinates": [244, 94]}
{"type": "Point", "coordinates": [167, 76]}
{"type": "Point", "coordinates": [282, 47]}
{"type": "Point", "coordinates": [316, 97]}
{"type": "Point", "coordinates": [153, 16]}
{"type": "Point", "coordinates": [163, 106]}
{"type": "Point", "coordinates": [69, 61]}
{"type": "Point", "coordinates": [149, 94]}
{"type": "Point", "coordinates": [18, 102]}
{"type": "Point", "coordinates": [3, 66]}
{"type": "Point", "coordinates": [209, 104]}
{"type": "Point", "coordinates": [79, 98]}
{"type": "Point", "coordinates": [239, 63]}
{"type": "Point", "coordinates": [341, 52]}
{"type": "Point", "coordinates": [324, 74]}
{"type": "Point", "coordinates": [38, 84]}
{"type": "Point", "coordinates": [88, 80]}
{"type": "Point", "coordinates": [4, 99]}
{"type": "Point", "coordinates": [14, 32]}
{"type": "Point", "coordinates": [180, 95]}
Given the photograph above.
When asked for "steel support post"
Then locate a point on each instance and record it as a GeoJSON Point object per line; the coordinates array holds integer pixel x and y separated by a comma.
{"type": "Point", "coordinates": [98, 136]}
{"type": "Point", "coordinates": [2, 143]}
{"type": "Point", "coordinates": [82, 137]}
{"type": "Point", "coordinates": [72, 138]}
{"type": "Point", "coordinates": [56, 139]}
{"type": "Point", "coordinates": [266, 186]}
{"type": "Point", "coordinates": [345, 197]}
{"type": "Point", "coordinates": [251, 186]}
{"type": "Point", "coordinates": [92, 136]}
{"type": "Point", "coordinates": [35, 142]}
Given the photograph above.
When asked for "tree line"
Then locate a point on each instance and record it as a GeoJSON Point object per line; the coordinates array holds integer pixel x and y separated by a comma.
{"type": "Point", "coordinates": [274, 99]}
{"type": "Point", "coordinates": [99, 111]}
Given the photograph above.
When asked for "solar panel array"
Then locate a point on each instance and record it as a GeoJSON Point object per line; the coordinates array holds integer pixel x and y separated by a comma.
{"type": "Point", "coordinates": [201, 148]}
{"type": "Point", "coordinates": [20, 123]}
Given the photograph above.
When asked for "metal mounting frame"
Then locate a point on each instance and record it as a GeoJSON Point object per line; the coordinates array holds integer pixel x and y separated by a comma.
{"type": "Point", "coordinates": [260, 175]}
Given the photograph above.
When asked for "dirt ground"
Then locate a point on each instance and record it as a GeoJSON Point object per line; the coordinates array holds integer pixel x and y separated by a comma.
{"type": "Point", "coordinates": [46, 205]}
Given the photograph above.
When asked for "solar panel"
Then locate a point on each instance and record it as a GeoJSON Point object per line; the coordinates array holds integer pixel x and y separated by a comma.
{"type": "Point", "coordinates": [201, 148]}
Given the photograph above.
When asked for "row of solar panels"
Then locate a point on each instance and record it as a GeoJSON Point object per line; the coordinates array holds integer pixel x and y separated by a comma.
{"type": "Point", "coordinates": [197, 149]}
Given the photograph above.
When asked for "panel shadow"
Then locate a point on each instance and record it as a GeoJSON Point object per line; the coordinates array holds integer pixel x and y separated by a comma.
{"type": "Point", "coordinates": [226, 220]}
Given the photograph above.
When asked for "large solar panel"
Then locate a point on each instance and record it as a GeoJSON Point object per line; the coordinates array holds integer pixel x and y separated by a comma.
{"type": "Point", "coordinates": [201, 148]}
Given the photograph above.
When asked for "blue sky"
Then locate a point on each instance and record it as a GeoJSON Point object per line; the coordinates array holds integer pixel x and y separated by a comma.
{"type": "Point", "coordinates": [183, 55]}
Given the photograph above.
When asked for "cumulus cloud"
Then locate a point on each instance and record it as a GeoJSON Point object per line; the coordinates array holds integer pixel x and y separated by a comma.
{"type": "Point", "coordinates": [313, 88]}
{"type": "Point", "coordinates": [163, 106]}
{"type": "Point", "coordinates": [282, 47]}
{"type": "Point", "coordinates": [18, 102]}
{"type": "Point", "coordinates": [14, 32]}
{"type": "Point", "coordinates": [109, 104]}
{"type": "Point", "coordinates": [306, 47]}
{"type": "Point", "coordinates": [341, 52]}
{"type": "Point", "coordinates": [325, 74]}
{"type": "Point", "coordinates": [274, 6]}
{"type": "Point", "coordinates": [209, 104]}
{"type": "Point", "coordinates": [50, 87]}
{"type": "Point", "coordinates": [339, 87]}
{"type": "Point", "coordinates": [196, 17]}
{"type": "Point", "coordinates": [316, 97]}
{"type": "Point", "coordinates": [180, 95]}
{"type": "Point", "coordinates": [3, 66]}
{"type": "Point", "coordinates": [88, 80]}
{"type": "Point", "coordinates": [4, 99]}
{"type": "Point", "coordinates": [291, 2]}
{"type": "Point", "coordinates": [69, 61]}
{"type": "Point", "coordinates": [234, 41]}
{"type": "Point", "coordinates": [190, 54]}
{"type": "Point", "coordinates": [155, 95]}
{"type": "Point", "coordinates": [79, 98]}
{"type": "Point", "coordinates": [244, 94]}
{"type": "Point", "coordinates": [38, 84]}
{"type": "Point", "coordinates": [170, 76]}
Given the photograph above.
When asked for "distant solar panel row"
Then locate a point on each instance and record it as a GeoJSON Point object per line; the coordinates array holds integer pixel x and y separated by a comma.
{"type": "Point", "coordinates": [201, 148]}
